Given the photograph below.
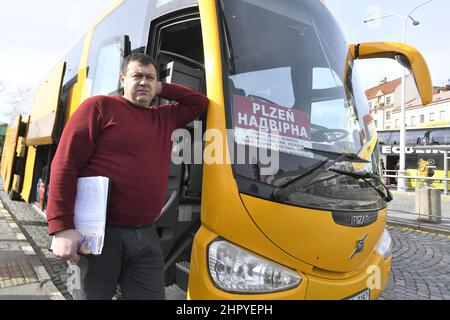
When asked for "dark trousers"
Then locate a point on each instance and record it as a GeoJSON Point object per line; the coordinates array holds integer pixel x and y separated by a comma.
{"type": "Point", "coordinates": [130, 257]}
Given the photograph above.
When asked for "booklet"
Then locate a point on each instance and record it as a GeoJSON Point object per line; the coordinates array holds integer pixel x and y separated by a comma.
{"type": "Point", "coordinates": [91, 205]}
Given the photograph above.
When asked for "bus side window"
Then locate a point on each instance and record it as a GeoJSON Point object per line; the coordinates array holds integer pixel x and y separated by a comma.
{"type": "Point", "coordinates": [111, 40]}
{"type": "Point", "coordinates": [109, 60]}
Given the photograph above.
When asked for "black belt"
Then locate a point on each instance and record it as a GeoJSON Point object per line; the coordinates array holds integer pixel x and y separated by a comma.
{"type": "Point", "coordinates": [130, 226]}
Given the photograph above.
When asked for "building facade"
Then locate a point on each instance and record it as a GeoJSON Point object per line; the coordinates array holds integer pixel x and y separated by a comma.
{"type": "Point", "coordinates": [385, 105]}
{"type": "Point", "coordinates": [427, 133]}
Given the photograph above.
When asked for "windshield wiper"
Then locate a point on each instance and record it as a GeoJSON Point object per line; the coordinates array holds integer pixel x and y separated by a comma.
{"type": "Point", "coordinates": [368, 176]}
{"type": "Point", "coordinates": [298, 183]}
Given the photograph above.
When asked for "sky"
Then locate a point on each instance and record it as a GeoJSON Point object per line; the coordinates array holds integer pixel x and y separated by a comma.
{"type": "Point", "coordinates": [36, 34]}
{"type": "Point", "coordinates": [430, 37]}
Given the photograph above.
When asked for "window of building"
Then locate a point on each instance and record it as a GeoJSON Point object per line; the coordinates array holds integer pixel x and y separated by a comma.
{"type": "Point", "coordinates": [442, 115]}
{"type": "Point", "coordinates": [422, 118]}
{"type": "Point", "coordinates": [397, 123]}
{"type": "Point", "coordinates": [370, 104]}
{"type": "Point", "coordinates": [376, 123]}
{"type": "Point", "coordinates": [388, 115]}
{"type": "Point", "coordinates": [432, 116]}
{"type": "Point", "coordinates": [388, 127]}
{"type": "Point", "coordinates": [388, 100]}
{"type": "Point", "coordinates": [413, 120]}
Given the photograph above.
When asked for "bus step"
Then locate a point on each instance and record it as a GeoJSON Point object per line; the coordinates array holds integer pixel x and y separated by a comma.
{"type": "Point", "coordinates": [182, 274]}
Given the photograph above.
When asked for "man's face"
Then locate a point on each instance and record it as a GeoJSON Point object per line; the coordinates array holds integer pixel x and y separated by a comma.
{"type": "Point", "coordinates": [139, 83]}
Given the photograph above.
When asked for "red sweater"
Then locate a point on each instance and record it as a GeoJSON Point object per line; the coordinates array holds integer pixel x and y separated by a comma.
{"type": "Point", "coordinates": [109, 136]}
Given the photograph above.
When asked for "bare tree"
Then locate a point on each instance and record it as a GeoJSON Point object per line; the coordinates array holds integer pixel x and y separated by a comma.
{"type": "Point", "coordinates": [14, 100]}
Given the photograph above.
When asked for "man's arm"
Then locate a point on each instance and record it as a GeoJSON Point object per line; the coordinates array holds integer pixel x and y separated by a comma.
{"type": "Point", "coordinates": [75, 148]}
{"type": "Point", "coordinates": [190, 103]}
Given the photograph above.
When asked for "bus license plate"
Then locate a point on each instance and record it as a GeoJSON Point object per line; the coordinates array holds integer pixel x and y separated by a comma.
{"type": "Point", "coordinates": [364, 295]}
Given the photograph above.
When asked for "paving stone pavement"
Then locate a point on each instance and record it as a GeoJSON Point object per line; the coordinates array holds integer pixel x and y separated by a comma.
{"type": "Point", "coordinates": [16, 266]}
{"type": "Point", "coordinates": [33, 225]}
{"type": "Point", "coordinates": [405, 202]}
{"type": "Point", "coordinates": [420, 265]}
{"type": "Point", "coordinates": [22, 275]}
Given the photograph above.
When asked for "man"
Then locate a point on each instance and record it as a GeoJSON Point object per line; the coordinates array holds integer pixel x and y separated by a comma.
{"type": "Point", "coordinates": [129, 141]}
{"type": "Point", "coordinates": [383, 168]}
{"type": "Point", "coordinates": [397, 169]}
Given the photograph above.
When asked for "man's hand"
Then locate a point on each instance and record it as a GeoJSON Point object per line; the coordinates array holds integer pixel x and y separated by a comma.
{"type": "Point", "coordinates": [65, 245]}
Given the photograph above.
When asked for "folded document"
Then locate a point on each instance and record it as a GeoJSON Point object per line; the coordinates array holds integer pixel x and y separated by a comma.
{"type": "Point", "coordinates": [91, 205]}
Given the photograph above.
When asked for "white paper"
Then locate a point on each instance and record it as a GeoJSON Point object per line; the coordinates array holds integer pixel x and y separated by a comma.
{"type": "Point", "coordinates": [90, 212]}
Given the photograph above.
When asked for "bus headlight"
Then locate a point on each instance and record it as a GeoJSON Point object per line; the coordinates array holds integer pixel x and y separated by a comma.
{"type": "Point", "coordinates": [384, 246]}
{"type": "Point", "coordinates": [234, 269]}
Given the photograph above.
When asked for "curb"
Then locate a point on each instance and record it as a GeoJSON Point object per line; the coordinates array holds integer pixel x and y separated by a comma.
{"type": "Point", "coordinates": [45, 281]}
{"type": "Point", "coordinates": [39, 211]}
{"type": "Point", "coordinates": [417, 228]}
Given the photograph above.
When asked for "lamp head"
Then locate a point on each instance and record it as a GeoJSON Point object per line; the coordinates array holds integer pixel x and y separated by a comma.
{"type": "Point", "coordinates": [414, 22]}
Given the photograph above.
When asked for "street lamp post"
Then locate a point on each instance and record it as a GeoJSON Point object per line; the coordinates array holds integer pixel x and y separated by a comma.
{"type": "Point", "coordinates": [401, 185]}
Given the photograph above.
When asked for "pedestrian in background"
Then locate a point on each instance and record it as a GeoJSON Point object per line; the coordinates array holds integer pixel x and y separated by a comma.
{"type": "Point", "coordinates": [383, 168]}
{"type": "Point", "coordinates": [397, 168]}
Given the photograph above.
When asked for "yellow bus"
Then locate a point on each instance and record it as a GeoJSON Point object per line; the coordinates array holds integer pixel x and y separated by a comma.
{"type": "Point", "coordinates": [13, 158]}
{"type": "Point", "coordinates": [290, 205]}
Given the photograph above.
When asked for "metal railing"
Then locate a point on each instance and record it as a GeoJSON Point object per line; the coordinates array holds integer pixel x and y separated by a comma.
{"type": "Point", "coordinates": [419, 178]}
{"type": "Point", "coordinates": [421, 205]}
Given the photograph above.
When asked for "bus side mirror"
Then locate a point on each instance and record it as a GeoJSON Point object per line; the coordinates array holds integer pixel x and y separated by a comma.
{"type": "Point", "coordinates": [406, 55]}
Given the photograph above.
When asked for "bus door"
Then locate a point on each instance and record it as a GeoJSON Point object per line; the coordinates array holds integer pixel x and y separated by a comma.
{"type": "Point", "coordinates": [13, 158]}
{"type": "Point", "coordinates": [43, 129]}
{"type": "Point", "coordinates": [176, 41]}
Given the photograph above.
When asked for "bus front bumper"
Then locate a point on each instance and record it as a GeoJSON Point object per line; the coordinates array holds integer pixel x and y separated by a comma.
{"type": "Point", "coordinates": [318, 285]}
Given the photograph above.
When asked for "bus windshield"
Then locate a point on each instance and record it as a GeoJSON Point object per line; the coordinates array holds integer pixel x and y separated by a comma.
{"type": "Point", "coordinates": [291, 88]}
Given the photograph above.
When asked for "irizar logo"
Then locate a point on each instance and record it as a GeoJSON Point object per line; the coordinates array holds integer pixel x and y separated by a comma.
{"type": "Point", "coordinates": [359, 246]}
{"type": "Point", "coordinates": [359, 220]}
